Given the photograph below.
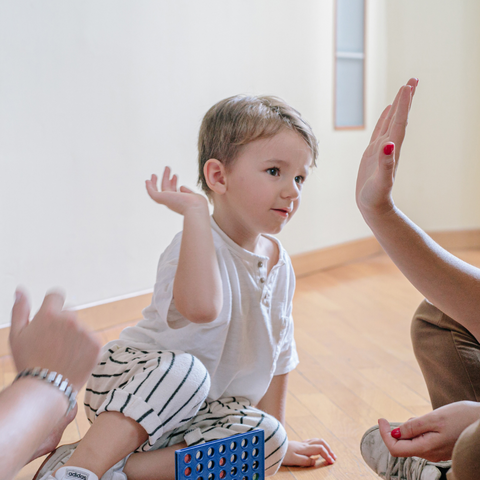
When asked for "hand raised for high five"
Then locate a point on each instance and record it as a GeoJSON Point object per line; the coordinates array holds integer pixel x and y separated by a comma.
{"type": "Point", "coordinates": [180, 201]}
{"type": "Point", "coordinates": [379, 163]}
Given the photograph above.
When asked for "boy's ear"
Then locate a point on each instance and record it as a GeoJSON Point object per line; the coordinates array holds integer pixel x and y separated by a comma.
{"type": "Point", "coordinates": [214, 172]}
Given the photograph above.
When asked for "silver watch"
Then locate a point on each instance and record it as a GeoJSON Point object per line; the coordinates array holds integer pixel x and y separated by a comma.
{"type": "Point", "coordinates": [55, 379]}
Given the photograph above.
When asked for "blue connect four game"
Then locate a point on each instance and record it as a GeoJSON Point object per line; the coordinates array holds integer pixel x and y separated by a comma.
{"type": "Point", "coordinates": [239, 457]}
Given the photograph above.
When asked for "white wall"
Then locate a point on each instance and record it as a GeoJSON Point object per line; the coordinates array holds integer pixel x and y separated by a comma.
{"type": "Point", "coordinates": [95, 96]}
{"type": "Point", "coordinates": [439, 42]}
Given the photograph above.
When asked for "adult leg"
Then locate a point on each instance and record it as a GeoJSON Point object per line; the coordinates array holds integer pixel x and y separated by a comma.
{"type": "Point", "coordinates": [448, 354]}
{"type": "Point", "coordinates": [51, 442]}
{"type": "Point", "coordinates": [466, 455]}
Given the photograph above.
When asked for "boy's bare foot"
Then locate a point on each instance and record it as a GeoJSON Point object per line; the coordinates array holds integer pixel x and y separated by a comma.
{"type": "Point", "coordinates": [50, 443]}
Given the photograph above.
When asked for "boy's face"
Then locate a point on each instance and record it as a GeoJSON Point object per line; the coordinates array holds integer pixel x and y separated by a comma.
{"type": "Point", "coordinates": [264, 184]}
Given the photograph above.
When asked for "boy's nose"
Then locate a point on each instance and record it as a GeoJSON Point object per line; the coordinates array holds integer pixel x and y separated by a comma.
{"type": "Point", "coordinates": [291, 190]}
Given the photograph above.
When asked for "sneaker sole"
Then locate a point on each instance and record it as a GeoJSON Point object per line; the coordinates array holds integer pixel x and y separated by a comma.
{"type": "Point", "coordinates": [56, 456]}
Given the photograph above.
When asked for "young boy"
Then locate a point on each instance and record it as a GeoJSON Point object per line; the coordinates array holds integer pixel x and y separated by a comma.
{"type": "Point", "coordinates": [211, 357]}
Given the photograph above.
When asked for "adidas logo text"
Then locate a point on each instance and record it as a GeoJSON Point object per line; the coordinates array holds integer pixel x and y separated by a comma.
{"type": "Point", "coordinates": [78, 476]}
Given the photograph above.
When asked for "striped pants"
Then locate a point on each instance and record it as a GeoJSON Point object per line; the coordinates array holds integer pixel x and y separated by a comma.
{"type": "Point", "coordinates": [165, 392]}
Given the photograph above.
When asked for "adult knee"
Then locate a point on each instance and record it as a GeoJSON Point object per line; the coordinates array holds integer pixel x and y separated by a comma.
{"type": "Point", "coordinates": [426, 319]}
{"type": "Point", "coordinates": [276, 444]}
{"type": "Point", "coordinates": [466, 454]}
{"type": "Point", "coordinates": [448, 355]}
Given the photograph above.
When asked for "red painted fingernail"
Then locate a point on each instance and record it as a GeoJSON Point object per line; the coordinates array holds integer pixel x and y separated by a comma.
{"type": "Point", "coordinates": [395, 433]}
{"type": "Point", "coordinates": [388, 149]}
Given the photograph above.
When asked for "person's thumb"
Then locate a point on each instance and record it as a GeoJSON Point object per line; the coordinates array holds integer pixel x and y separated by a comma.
{"type": "Point", "coordinates": [20, 314]}
{"type": "Point", "coordinates": [388, 158]}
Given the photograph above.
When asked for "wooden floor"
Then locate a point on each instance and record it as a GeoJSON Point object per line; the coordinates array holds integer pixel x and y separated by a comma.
{"type": "Point", "coordinates": [356, 363]}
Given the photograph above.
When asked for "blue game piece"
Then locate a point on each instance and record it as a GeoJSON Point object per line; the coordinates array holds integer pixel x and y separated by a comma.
{"type": "Point", "coordinates": [239, 457]}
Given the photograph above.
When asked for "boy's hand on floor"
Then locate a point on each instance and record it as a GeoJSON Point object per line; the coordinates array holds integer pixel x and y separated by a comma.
{"type": "Point", "coordinates": [181, 200]}
{"type": "Point", "coordinates": [299, 454]}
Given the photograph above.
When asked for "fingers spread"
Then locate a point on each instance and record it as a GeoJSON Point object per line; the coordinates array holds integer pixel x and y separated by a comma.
{"type": "Point", "coordinates": [20, 313]}
{"type": "Point", "coordinates": [317, 446]}
{"type": "Point", "coordinates": [52, 303]}
{"type": "Point", "coordinates": [166, 179]}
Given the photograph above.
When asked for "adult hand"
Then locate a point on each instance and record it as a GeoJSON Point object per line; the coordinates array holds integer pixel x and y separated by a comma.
{"type": "Point", "coordinates": [53, 340]}
{"type": "Point", "coordinates": [431, 436]}
{"type": "Point", "coordinates": [181, 200]}
{"type": "Point", "coordinates": [299, 454]}
{"type": "Point", "coordinates": [379, 163]}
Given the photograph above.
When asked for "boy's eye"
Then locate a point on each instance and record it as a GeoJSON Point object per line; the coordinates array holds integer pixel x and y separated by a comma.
{"type": "Point", "coordinates": [274, 171]}
{"type": "Point", "coordinates": [299, 179]}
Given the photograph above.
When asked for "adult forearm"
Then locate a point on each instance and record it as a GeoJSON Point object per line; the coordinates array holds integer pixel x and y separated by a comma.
{"type": "Point", "coordinates": [197, 289]}
{"type": "Point", "coordinates": [448, 282]}
{"type": "Point", "coordinates": [29, 410]}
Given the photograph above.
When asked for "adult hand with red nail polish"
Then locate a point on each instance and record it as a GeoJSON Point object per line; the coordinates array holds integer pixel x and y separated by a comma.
{"type": "Point", "coordinates": [431, 436]}
{"type": "Point", "coordinates": [376, 174]}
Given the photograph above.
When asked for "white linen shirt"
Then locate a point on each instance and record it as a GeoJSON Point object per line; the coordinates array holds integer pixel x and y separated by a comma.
{"type": "Point", "coordinates": [252, 338]}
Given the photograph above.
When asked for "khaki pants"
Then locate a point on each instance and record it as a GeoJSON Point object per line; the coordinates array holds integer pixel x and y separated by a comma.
{"type": "Point", "coordinates": [449, 356]}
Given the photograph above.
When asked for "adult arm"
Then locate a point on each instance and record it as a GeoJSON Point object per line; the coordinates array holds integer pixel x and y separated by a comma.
{"type": "Point", "coordinates": [197, 288]}
{"type": "Point", "coordinates": [298, 454]}
{"type": "Point", "coordinates": [448, 282]}
{"type": "Point", "coordinates": [30, 408]}
{"type": "Point", "coordinates": [431, 436]}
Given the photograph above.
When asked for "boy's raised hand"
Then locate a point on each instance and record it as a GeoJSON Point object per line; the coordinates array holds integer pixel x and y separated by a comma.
{"type": "Point", "coordinates": [299, 454]}
{"type": "Point", "coordinates": [177, 200]}
{"type": "Point", "coordinates": [379, 163]}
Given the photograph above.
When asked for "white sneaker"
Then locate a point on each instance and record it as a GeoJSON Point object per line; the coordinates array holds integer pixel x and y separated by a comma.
{"type": "Point", "coordinates": [54, 461]}
{"type": "Point", "coordinates": [72, 473]}
{"type": "Point", "coordinates": [378, 458]}
{"type": "Point", "coordinates": [62, 454]}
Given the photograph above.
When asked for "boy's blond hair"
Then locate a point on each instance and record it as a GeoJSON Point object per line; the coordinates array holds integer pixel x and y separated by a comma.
{"type": "Point", "coordinates": [238, 120]}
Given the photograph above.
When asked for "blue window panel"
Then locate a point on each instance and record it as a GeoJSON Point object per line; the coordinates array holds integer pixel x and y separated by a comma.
{"type": "Point", "coordinates": [350, 25]}
{"type": "Point", "coordinates": [349, 91]}
{"type": "Point", "coordinates": [349, 63]}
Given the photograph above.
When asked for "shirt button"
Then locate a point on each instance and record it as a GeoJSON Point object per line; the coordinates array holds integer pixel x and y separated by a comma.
{"type": "Point", "coordinates": [260, 264]}
{"type": "Point", "coordinates": [262, 280]}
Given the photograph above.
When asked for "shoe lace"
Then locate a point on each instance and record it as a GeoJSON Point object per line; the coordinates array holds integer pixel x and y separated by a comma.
{"type": "Point", "coordinates": [409, 468]}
